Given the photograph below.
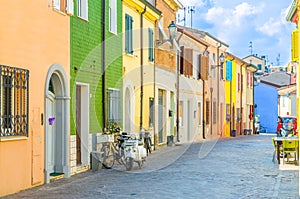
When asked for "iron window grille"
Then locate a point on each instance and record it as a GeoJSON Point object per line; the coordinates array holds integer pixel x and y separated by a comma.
{"type": "Point", "coordinates": [14, 101]}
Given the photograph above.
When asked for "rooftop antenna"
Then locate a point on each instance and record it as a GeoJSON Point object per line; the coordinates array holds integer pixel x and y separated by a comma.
{"type": "Point", "coordinates": [250, 47]}
{"type": "Point", "coordinates": [191, 9]}
{"type": "Point", "coordinates": [278, 59]}
{"type": "Point", "coordinates": [184, 17]}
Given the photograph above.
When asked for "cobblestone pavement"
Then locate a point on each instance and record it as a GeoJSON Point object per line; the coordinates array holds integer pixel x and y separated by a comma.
{"type": "Point", "coordinates": [238, 167]}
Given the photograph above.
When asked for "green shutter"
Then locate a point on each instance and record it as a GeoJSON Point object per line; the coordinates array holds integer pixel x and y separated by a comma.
{"type": "Point", "coordinates": [150, 39]}
{"type": "Point", "coordinates": [128, 34]}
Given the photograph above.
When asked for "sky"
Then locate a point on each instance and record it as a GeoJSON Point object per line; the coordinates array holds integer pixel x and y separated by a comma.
{"type": "Point", "coordinates": [239, 22]}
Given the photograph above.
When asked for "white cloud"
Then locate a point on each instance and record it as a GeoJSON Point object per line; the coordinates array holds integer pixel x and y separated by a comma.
{"type": "Point", "coordinates": [271, 27]}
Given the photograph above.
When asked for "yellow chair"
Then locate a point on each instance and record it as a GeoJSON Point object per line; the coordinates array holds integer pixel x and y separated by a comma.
{"type": "Point", "coordinates": [290, 146]}
{"type": "Point", "coordinates": [275, 149]}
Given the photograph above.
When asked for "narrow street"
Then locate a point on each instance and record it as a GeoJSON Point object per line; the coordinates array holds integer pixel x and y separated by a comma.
{"type": "Point", "coordinates": [239, 167]}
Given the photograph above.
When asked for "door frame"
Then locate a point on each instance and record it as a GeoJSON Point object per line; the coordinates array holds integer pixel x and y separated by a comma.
{"type": "Point", "coordinates": [62, 98]}
{"type": "Point", "coordinates": [85, 129]}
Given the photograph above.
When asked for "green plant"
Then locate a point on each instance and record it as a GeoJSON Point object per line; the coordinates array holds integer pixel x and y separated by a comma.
{"type": "Point", "coordinates": [113, 128]}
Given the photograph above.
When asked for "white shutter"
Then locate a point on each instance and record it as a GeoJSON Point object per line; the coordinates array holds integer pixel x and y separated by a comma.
{"type": "Point", "coordinates": [113, 16]}
{"type": "Point", "coordinates": [56, 4]}
{"type": "Point", "coordinates": [70, 7]}
{"type": "Point", "coordinates": [86, 7]}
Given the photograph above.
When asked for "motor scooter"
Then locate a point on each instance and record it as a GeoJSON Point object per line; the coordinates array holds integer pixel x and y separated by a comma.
{"type": "Point", "coordinates": [134, 151]}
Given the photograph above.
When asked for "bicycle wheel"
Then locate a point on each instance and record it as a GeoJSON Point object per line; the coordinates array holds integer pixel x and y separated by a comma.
{"type": "Point", "coordinates": [108, 159]}
{"type": "Point", "coordinates": [120, 156]}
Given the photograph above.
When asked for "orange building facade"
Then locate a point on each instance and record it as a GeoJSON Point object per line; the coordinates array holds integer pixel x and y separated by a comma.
{"type": "Point", "coordinates": [34, 58]}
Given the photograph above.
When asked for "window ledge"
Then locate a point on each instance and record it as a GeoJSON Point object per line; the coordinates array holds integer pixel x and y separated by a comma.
{"type": "Point", "coordinates": [129, 55]}
{"type": "Point", "coordinates": [113, 33]}
{"type": "Point", "coordinates": [86, 20]}
{"type": "Point", "coordinates": [12, 138]}
{"type": "Point", "coordinates": [60, 12]}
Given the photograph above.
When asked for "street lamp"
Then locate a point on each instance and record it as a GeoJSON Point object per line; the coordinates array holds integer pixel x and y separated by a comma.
{"type": "Point", "coordinates": [172, 31]}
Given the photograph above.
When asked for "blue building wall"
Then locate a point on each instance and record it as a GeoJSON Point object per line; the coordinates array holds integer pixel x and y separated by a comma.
{"type": "Point", "coordinates": [265, 97]}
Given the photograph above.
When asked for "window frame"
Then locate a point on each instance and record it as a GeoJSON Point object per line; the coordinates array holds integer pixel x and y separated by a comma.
{"type": "Point", "coordinates": [113, 105]}
{"type": "Point", "coordinates": [113, 22]}
{"type": "Point", "coordinates": [14, 102]}
{"type": "Point", "coordinates": [82, 9]}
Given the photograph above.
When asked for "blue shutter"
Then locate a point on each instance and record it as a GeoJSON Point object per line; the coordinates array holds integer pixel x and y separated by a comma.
{"type": "Point", "coordinates": [228, 70]}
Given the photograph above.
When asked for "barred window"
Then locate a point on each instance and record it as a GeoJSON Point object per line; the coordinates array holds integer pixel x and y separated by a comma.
{"type": "Point", "coordinates": [14, 101]}
{"type": "Point", "coordinates": [114, 105]}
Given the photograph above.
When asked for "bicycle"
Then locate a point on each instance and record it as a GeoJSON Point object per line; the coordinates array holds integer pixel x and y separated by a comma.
{"type": "Point", "coordinates": [111, 151]}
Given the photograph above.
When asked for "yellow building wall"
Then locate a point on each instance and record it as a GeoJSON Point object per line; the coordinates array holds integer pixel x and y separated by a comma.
{"type": "Point", "coordinates": [132, 63]}
{"type": "Point", "coordinates": [227, 101]}
{"type": "Point", "coordinates": [34, 37]}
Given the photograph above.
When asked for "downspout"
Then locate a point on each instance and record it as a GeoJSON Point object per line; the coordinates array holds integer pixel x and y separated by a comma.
{"type": "Point", "coordinates": [142, 68]}
{"type": "Point", "coordinates": [218, 93]}
{"type": "Point", "coordinates": [203, 101]}
{"type": "Point", "coordinates": [103, 66]}
{"type": "Point", "coordinates": [177, 85]}
{"type": "Point", "coordinates": [241, 100]}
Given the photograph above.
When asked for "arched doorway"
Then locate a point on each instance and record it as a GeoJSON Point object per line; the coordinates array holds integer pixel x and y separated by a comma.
{"type": "Point", "coordinates": [56, 123]}
{"type": "Point", "coordinates": [129, 98]}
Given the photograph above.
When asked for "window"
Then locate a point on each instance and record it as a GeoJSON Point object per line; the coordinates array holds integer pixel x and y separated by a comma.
{"type": "Point", "coordinates": [151, 108]}
{"type": "Point", "coordinates": [65, 6]}
{"type": "Point", "coordinates": [114, 105]}
{"type": "Point", "coordinates": [128, 34]}
{"type": "Point", "coordinates": [150, 50]}
{"type": "Point", "coordinates": [14, 101]}
{"type": "Point", "coordinates": [82, 9]}
{"type": "Point", "coordinates": [113, 16]}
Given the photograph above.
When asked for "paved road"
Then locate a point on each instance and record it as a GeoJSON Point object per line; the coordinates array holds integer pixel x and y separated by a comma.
{"type": "Point", "coordinates": [229, 168]}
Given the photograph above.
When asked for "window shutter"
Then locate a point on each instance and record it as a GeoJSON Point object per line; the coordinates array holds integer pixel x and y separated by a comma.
{"type": "Point", "coordinates": [295, 45]}
{"type": "Point", "coordinates": [126, 33]}
{"type": "Point", "coordinates": [56, 4]}
{"type": "Point", "coordinates": [150, 38]}
{"type": "Point", "coordinates": [199, 67]}
{"type": "Point", "coordinates": [182, 71]}
{"type": "Point", "coordinates": [130, 35]}
{"type": "Point", "coordinates": [70, 7]}
{"type": "Point", "coordinates": [204, 67]}
{"type": "Point", "coordinates": [113, 16]}
{"type": "Point", "coordinates": [228, 70]}
{"type": "Point", "coordinates": [188, 62]}
{"type": "Point", "coordinates": [86, 14]}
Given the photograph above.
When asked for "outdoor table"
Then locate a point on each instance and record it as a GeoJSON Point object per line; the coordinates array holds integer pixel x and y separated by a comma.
{"type": "Point", "coordinates": [278, 143]}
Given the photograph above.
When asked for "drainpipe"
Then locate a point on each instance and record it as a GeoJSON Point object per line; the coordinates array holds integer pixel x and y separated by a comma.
{"type": "Point", "coordinates": [142, 69]}
{"type": "Point", "coordinates": [203, 101]}
{"type": "Point", "coordinates": [218, 85]}
{"type": "Point", "coordinates": [241, 100]}
{"type": "Point", "coordinates": [103, 66]}
{"type": "Point", "coordinates": [177, 85]}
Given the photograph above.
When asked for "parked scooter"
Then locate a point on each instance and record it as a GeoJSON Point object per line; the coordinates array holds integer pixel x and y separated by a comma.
{"type": "Point", "coordinates": [134, 151]}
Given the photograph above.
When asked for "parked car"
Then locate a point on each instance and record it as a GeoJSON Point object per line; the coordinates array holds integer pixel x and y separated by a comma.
{"type": "Point", "coordinates": [286, 126]}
